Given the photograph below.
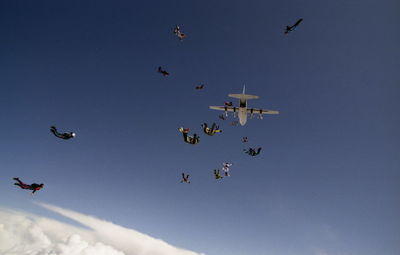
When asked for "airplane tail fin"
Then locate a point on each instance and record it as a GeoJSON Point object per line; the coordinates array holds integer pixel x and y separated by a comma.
{"type": "Point", "coordinates": [243, 95]}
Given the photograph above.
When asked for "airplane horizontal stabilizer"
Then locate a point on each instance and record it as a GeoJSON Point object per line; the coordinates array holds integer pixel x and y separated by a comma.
{"type": "Point", "coordinates": [243, 96]}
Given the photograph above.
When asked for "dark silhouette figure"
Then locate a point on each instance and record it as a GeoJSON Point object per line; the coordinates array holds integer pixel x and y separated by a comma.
{"type": "Point", "coordinates": [64, 136]}
{"type": "Point", "coordinates": [34, 186]}
{"type": "Point", "coordinates": [185, 178]}
{"type": "Point", "coordinates": [163, 72]}
{"type": "Point", "coordinates": [291, 28]}
{"type": "Point", "coordinates": [253, 152]}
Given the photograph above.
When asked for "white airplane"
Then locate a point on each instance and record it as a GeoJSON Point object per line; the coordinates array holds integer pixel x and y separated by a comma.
{"type": "Point", "coordinates": [242, 110]}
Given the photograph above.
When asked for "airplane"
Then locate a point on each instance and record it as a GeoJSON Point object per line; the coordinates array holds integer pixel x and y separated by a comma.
{"type": "Point", "coordinates": [243, 110]}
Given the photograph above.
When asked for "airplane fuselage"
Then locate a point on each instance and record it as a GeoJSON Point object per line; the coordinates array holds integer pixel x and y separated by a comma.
{"type": "Point", "coordinates": [242, 111]}
{"type": "Point", "coordinates": [242, 115]}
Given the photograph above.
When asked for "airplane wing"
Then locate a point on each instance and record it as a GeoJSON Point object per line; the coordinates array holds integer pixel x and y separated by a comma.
{"type": "Point", "coordinates": [225, 108]}
{"type": "Point", "coordinates": [261, 111]}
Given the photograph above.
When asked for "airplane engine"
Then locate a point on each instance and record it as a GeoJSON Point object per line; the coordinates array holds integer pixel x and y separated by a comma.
{"type": "Point", "coordinates": [226, 111]}
{"type": "Point", "coordinates": [251, 113]}
{"type": "Point", "coordinates": [261, 117]}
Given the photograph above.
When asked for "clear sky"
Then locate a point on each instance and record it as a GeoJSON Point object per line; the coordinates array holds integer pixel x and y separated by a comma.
{"type": "Point", "coordinates": [328, 179]}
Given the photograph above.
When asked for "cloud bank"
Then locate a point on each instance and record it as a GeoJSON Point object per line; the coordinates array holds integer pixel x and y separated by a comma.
{"type": "Point", "coordinates": [22, 233]}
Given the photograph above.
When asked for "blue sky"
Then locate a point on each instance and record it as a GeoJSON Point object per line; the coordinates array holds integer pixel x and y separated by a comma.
{"type": "Point", "coordinates": [328, 177]}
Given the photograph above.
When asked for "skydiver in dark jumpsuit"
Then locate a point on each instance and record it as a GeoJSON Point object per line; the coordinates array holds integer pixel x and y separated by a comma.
{"type": "Point", "coordinates": [64, 136]}
{"type": "Point", "coordinates": [34, 186]}
{"type": "Point", "coordinates": [253, 152]}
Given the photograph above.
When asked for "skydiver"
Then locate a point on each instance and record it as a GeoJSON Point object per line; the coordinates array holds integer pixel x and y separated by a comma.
{"type": "Point", "coordinates": [217, 174]}
{"type": "Point", "coordinates": [34, 186]}
{"type": "Point", "coordinates": [253, 152]}
{"type": "Point", "coordinates": [178, 33]}
{"type": "Point", "coordinates": [222, 117]}
{"type": "Point", "coordinates": [163, 72]}
{"type": "Point", "coordinates": [185, 179]}
{"type": "Point", "coordinates": [195, 139]}
{"type": "Point", "coordinates": [228, 103]}
{"type": "Point", "coordinates": [201, 86]}
{"type": "Point", "coordinates": [244, 139]}
{"type": "Point", "coordinates": [211, 131]}
{"type": "Point", "coordinates": [226, 168]}
{"type": "Point", "coordinates": [291, 28]}
{"type": "Point", "coordinates": [64, 136]}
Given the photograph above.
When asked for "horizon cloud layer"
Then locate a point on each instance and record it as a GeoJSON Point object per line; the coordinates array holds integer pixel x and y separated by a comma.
{"type": "Point", "coordinates": [23, 233]}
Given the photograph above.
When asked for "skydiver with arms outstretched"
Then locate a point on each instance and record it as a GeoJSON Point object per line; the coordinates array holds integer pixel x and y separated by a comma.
{"type": "Point", "coordinates": [211, 131]}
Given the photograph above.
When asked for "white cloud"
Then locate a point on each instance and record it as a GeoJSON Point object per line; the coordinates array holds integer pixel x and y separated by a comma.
{"type": "Point", "coordinates": [22, 233]}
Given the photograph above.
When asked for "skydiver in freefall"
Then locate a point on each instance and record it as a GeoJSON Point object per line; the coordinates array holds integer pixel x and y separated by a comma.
{"type": "Point", "coordinates": [163, 72]}
{"type": "Point", "coordinates": [195, 139]}
{"type": "Point", "coordinates": [211, 131]}
{"type": "Point", "coordinates": [34, 186]}
{"type": "Point", "coordinates": [178, 33]}
{"type": "Point", "coordinates": [253, 152]}
{"type": "Point", "coordinates": [222, 117]}
{"type": "Point", "coordinates": [185, 178]}
{"type": "Point", "coordinates": [217, 174]}
{"type": "Point", "coordinates": [291, 28]}
{"type": "Point", "coordinates": [226, 168]}
{"type": "Point", "coordinates": [201, 86]}
{"type": "Point", "coordinates": [64, 136]}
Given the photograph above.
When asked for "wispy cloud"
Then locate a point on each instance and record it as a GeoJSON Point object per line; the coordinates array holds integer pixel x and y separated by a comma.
{"type": "Point", "coordinates": [22, 233]}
